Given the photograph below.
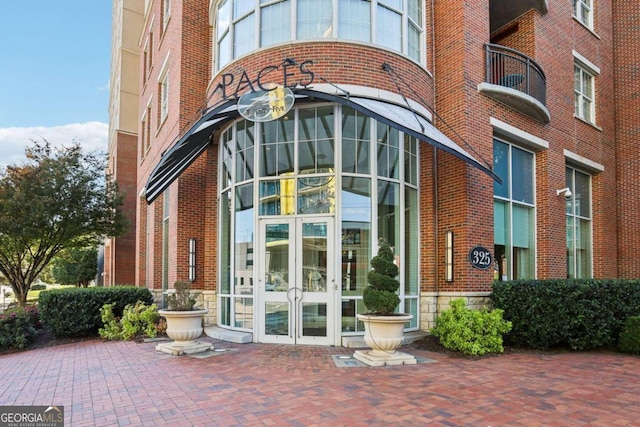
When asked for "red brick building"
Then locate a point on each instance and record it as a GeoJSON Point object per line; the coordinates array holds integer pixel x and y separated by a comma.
{"type": "Point", "coordinates": [277, 142]}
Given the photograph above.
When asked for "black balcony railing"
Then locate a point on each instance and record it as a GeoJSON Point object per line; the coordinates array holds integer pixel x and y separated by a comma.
{"type": "Point", "coordinates": [510, 68]}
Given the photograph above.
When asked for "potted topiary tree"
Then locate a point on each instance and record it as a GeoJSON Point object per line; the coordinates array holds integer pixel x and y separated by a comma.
{"type": "Point", "coordinates": [184, 322]}
{"type": "Point", "coordinates": [384, 328]}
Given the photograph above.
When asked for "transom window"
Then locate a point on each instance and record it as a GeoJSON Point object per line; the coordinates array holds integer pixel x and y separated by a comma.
{"type": "Point", "coordinates": [584, 90]}
{"type": "Point", "coordinates": [583, 11]}
{"type": "Point", "coordinates": [514, 212]}
{"type": "Point", "coordinates": [246, 25]}
{"type": "Point", "coordinates": [578, 225]}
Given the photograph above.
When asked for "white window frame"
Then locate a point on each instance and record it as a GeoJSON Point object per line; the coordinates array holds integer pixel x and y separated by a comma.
{"type": "Point", "coordinates": [164, 98]}
{"type": "Point", "coordinates": [163, 90]}
{"type": "Point", "coordinates": [508, 272]}
{"type": "Point", "coordinates": [406, 21]}
{"type": "Point", "coordinates": [576, 217]}
{"type": "Point", "coordinates": [583, 12]}
{"type": "Point", "coordinates": [586, 69]}
{"type": "Point", "coordinates": [166, 13]}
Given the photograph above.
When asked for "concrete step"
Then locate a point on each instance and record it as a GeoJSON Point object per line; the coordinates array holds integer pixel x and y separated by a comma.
{"type": "Point", "coordinates": [238, 337]}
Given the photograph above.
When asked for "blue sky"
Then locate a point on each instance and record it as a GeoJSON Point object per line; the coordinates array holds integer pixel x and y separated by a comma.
{"type": "Point", "coordinates": [54, 73]}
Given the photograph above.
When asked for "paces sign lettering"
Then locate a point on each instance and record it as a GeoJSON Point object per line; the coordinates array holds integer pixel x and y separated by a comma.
{"type": "Point", "coordinates": [290, 72]}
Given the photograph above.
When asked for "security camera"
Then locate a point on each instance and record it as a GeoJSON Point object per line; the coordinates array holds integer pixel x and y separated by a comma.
{"type": "Point", "coordinates": [567, 192]}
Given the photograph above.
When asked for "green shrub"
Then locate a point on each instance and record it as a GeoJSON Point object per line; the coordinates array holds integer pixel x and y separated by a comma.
{"type": "Point", "coordinates": [580, 314]}
{"type": "Point", "coordinates": [18, 326]}
{"type": "Point", "coordinates": [74, 312]}
{"type": "Point", "coordinates": [472, 332]}
{"type": "Point", "coordinates": [380, 295]}
{"type": "Point", "coordinates": [629, 341]}
{"type": "Point", "coordinates": [138, 321]}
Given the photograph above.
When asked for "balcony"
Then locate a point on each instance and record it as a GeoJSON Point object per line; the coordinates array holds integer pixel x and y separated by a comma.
{"type": "Point", "coordinates": [516, 80]}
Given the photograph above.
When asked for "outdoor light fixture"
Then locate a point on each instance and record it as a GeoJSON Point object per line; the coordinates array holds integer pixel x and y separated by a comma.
{"type": "Point", "coordinates": [567, 192]}
{"type": "Point", "coordinates": [448, 256]}
{"type": "Point", "coordinates": [192, 260]}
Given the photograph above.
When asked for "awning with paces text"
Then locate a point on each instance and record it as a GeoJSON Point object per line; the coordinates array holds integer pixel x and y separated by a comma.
{"type": "Point", "coordinates": [196, 140]}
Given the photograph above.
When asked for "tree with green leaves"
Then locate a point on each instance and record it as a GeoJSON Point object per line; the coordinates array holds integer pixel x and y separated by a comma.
{"type": "Point", "coordinates": [58, 199]}
{"type": "Point", "coordinates": [75, 266]}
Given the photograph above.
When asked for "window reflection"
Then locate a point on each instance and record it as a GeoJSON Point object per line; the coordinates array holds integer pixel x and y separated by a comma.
{"type": "Point", "coordinates": [296, 175]}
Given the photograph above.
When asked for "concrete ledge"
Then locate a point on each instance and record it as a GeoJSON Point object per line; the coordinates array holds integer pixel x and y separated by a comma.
{"type": "Point", "coordinates": [222, 334]}
{"type": "Point", "coordinates": [357, 341]}
{"type": "Point", "coordinates": [396, 358]}
{"type": "Point", "coordinates": [178, 349]}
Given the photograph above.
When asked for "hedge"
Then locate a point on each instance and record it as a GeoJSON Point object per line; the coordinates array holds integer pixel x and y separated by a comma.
{"type": "Point", "coordinates": [74, 312]}
{"type": "Point", "coordinates": [580, 314]}
{"type": "Point", "coordinates": [630, 336]}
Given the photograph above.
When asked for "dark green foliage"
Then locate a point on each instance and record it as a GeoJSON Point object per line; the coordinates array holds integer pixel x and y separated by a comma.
{"type": "Point", "coordinates": [380, 296]}
{"type": "Point", "coordinates": [58, 199]}
{"type": "Point", "coordinates": [38, 287]}
{"type": "Point", "coordinates": [580, 314]}
{"type": "Point", "coordinates": [18, 326]}
{"type": "Point", "coordinates": [75, 312]}
{"type": "Point", "coordinates": [629, 341]}
{"type": "Point", "coordinates": [75, 266]}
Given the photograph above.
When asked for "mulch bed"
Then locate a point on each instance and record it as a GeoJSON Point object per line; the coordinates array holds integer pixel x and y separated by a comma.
{"type": "Point", "coordinates": [431, 343]}
{"type": "Point", "coordinates": [44, 338]}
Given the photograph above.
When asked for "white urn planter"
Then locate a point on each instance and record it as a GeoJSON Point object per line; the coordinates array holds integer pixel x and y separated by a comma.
{"type": "Point", "coordinates": [384, 334]}
{"type": "Point", "coordinates": [184, 328]}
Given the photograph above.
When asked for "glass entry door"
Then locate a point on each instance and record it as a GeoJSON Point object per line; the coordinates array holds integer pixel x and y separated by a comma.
{"type": "Point", "coordinates": [296, 281]}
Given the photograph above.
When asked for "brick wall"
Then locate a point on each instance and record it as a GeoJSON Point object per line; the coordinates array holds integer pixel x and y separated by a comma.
{"type": "Point", "coordinates": [454, 196]}
{"type": "Point", "coordinates": [627, 119]}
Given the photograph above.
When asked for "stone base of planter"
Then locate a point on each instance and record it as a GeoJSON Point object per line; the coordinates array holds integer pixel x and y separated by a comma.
{"type": "Point", "coordinates": [376, 358]}
{"type": "Point", "coordinates": [179, 348]}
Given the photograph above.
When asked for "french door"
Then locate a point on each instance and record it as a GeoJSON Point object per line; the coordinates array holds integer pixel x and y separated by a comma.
{"type": "Point", "coordinates": [296, 281]}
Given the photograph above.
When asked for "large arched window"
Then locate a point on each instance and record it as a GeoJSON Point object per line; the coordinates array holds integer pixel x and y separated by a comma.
{"type": "Point", "coordinates": [242, 26]}
{"type": "Point", "coordinates": [319, 160]}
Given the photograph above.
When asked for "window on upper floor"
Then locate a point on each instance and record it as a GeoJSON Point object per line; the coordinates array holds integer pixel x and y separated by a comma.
{"type": "Point", "coordinates": [578, 225]}
{"type": "Point", "coordinates": [150, 56]}
{"type": "Point", "coordinates": [583, 12]}
{"type": "Point", "coordinates": [143, 136]}
{"type": "Point", "coordinates": [147, 58]}
{"type": "Point", "coordinates": [145, 63]}
{"type": "Point", "coordinates": [164, 97]}
{"type": "Point", "coordinates": [242, 26]}
{"type": "Point", "coordinates": [166, 13]}
{"type": "Point", "coordinates": [514, 212]}
{"type": "Point", "coordinates": [584, 93]}
{"type": "Point", "coordinates": [147, 130]}
{"type": "Point", "coordinates": [163, 91]}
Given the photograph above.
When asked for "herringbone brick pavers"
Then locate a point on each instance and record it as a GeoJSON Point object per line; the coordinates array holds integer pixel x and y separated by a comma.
{"type": "Point", "coordinates": [130, 384]}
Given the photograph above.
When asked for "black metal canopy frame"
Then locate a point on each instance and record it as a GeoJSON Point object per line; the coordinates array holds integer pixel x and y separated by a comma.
{"type": "Point", "coordinates": [196, 140]}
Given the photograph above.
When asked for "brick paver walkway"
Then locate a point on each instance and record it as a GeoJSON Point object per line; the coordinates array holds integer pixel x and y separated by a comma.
{"type": "Point", "coordinates": [130, 384]}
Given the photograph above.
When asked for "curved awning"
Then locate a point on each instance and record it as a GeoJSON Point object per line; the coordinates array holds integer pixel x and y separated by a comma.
{"type": "Point", "coordinates": [405, 120]}
{"type": "Point", "coordinates": [187, 149]}
{"type": "Point", "coordinates": [196, 140]}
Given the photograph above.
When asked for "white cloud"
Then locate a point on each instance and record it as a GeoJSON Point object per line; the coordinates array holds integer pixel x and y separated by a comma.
{"type": "Point", "coordinates": [105, 87]}
{"type": "Point", "coordinates": [91, 135]}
